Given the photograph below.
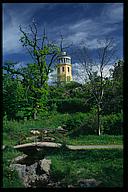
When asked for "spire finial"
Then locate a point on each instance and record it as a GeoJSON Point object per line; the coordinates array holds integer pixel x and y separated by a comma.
{"type": "Point", "coordinates": [44, 32]}
{"type": "Point", "coordinates": [61, 43]}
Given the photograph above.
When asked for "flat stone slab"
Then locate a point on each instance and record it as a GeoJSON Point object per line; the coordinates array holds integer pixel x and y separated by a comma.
{"type": "Point", "coordinates": [35, 147]}
{"type": "Point", "coordinates": [38, 144]}
{"type": "Point", "coordinates": [30, 148]}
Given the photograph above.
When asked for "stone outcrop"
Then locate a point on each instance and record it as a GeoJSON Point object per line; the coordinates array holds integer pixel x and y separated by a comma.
{"type": "Point", "coordinates": [36, 173]}
{"type": "Point", "coordinates": [45, 165]}
{"type": "Point", "coordinates": [87, 183]}
{"type": "Point", "coordinates": [33, 175]}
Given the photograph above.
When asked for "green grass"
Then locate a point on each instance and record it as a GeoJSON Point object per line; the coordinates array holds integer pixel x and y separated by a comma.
{"type": "Point", "coordinates": [15, 132]}
{"type": "Point", "coordinates": [10, 177]}
{"type": "Point", "coordinates": [105, 166]}
{"type": "Point", "coordinates": [96, 140]}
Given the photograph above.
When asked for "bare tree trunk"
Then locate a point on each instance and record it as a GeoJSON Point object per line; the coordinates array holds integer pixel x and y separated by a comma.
{"type": "Point", "coordinates": [98, 120]}
{"type": "Point", "coordinates": [35, 114]}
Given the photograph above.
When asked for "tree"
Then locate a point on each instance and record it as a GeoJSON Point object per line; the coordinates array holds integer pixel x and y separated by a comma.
{"type": "Point", "coordinates": [118, 71]}
{"type": "Point", "coordinates": [113, 94]}
{"type": "Point", "coordinates": [44, 53]}
{"type": "Point", "coordinates": [34, 76]}
{"type": "Point", "coordinates": [13, 95]}
{"type": "Point", "coordinates": [94, 71]}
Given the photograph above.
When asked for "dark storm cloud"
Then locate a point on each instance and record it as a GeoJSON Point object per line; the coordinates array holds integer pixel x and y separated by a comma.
{"type": "Point", "coordinates": [76, 21]}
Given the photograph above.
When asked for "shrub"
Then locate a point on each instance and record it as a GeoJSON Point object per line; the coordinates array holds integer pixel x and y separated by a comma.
{"type": "Point", "coordinates": [71, 105]}
{"type": "Point", "coordinates": [82, 124]}
{"type": "Point", "coordinates": [112, 124]}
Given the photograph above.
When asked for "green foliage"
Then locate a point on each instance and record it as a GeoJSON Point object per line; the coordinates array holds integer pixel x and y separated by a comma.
{"type": "Point", "coordinates": [72, 166]}
{"type": "Point", "coordinates": [113, 124]}
{"type": "Point", "coordinates": [113, 97]}
{"type": "Point", "coordinates": [118, 71]}
{"type": "Point", "coordinates": [68, 167]}
{"type": "Point", "coordinates": [82, 123]}
{"type": "Point", "coordinates": [10, 177]}
{"type": "Point", "coordinates": [70, 105]}
{"type": "Point", "coordinates": [13, 95]}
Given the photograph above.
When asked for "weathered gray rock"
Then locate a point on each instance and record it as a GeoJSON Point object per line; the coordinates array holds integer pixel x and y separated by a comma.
{"type": "Point", "coordinates": [45, 165]}
{"type": "Point", "coordinates": [21, 169]}
{"type": "Point", "coordinates": [36, 180]}
{"type": "Point", "coordinates": [31, 169]}
{"type": "Point", "coordinates": [33, 175]}
{"type": "Point", "coordinates": [84, 183]}
{"type": "Point", "coordinates": [48, 139]}
{"type": "Point", "coordinates": [19, 159]}
{"type": "Point", "coordinates": [32, 138]}
{"type": "Point", "coordinates": [3, 147]}
{"type": "Point", "coordinates": [54, 184]}
{"type": "Point", "coordinates": [61, 130]}
{"type": "Point", "coordinates": [71, 186]}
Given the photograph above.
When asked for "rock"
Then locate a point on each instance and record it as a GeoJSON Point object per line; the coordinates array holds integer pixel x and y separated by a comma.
{"type": "Point", "coordinates": [36, 180]}
{"type": "Point", "coordinates": [59, 128]}
{"type": "Point", "coordinates": [71, 186]}
{"type": "Point", "coordinates": [21, 169]}
{"type": "Point", "coordinates": [48, 139]}
{"type": "Point", "coordinates": [83, 183]}
{"type": "Point", "coordinates": [35, 132]}
{"type": "Point", "coordinates": [33, 175]}
{"type": "Point", "coordinates": [29, 180]}
{"type": "Point", "coordinates": [54, 184]}
{"type": "Point", "coordinates": [3, 147]}
{"type": "Point", "coordinates": [33, 138]}
{"type": "Point", "coordinates": [45, 165]}
{"type": "Point", "coordinates": [32, 168]}
{"type": "Point", "coordinates": [43, 178]}
{"type": "Point", "coordinates": [19, 159]}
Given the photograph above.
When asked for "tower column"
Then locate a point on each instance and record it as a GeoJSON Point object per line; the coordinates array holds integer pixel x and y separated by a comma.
{"type": "Point", "coordinates": [64, 68]}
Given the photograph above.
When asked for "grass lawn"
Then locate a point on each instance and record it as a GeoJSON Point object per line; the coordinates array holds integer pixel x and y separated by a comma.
{"type": "Point", "coordinates": [16, 132]}
{"type": "Point", "coordinates": [102, 165]}
{"type": "Point", "coordinates": [96, 140]}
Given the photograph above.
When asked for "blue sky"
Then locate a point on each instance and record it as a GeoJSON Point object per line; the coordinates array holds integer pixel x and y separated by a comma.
{"type": "Point", "coordinates": [75, 21]}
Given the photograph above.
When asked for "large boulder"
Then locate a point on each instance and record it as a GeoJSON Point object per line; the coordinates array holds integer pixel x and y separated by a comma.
{"type": "Point", "coordinates": [34, 175]}
{"type": "Point", "coordinates": [45, 165]}
{"type": "Point", "coordinates": [20, 159]}
{"type": "Point", "coordinates": [21, 169]}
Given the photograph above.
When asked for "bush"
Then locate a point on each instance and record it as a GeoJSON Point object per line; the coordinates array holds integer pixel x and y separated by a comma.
{"type": "Point", "coordinates": [71, 105]}
{"type": "Point", "coordinates": [82, 124]}
{"type": "Point", "coordinates": [86, 124]}
{"type": "Point", "coordinates": [112, 124]}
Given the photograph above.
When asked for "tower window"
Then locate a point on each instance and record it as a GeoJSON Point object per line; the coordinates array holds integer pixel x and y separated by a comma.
{"type": "Point", "coordinates": [58, 70]}
{"type": "Point", "coordinates": [68, 69]}
{"type": "Point", "coordinates": [63, 69]}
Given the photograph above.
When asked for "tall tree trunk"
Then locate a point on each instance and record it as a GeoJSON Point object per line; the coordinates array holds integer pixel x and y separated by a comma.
{"type": "Point", "coordinates": [98, 120]}
{"type": "Point", "coordinates": [35, 114]}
